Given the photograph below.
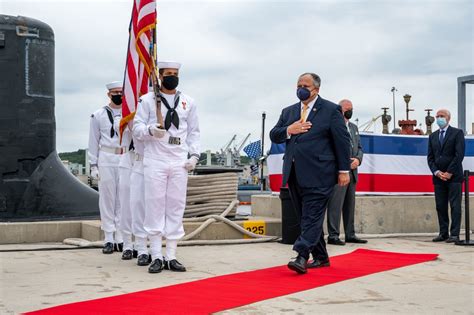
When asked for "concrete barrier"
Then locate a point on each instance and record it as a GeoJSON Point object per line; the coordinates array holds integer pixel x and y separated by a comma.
{"type": "Point", "coordinates": [36, 232]}
{"type": "Point", "coordinates": [374, 215]}
{"type": "Point", "coordinates": [377, 214]}
{"type": "Point", "coordinates": [91, 231]}
{"type": "Point", "coordinates": [266, 206]}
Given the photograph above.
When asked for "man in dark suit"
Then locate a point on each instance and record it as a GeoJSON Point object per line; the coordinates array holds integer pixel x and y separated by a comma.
{"type": "Point", "coordinates": [316, 158]}
{"type": "Point", "coordinates": [445, 155]}
{"type": "Point", "coordinates": [343, 197]}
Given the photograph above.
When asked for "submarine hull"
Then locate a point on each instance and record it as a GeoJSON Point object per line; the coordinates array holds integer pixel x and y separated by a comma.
{"type": "Point", "coordinates": [33, 182]}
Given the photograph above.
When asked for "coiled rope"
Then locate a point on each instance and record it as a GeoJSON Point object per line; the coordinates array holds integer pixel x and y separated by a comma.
{"type": "Point", "coordinates": [210, 199]}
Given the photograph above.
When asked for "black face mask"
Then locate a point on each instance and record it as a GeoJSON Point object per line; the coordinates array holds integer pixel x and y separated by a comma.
{"type": "Point", "coordinates": [170, 82]}
{"type": "Point", "coordinates": [348, 114]}
{"type": "Point", "coordinates": [116, 99]}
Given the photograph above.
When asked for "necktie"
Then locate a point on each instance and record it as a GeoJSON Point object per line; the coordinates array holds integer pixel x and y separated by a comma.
{"type": "Point", "coordinates": [441, 137]}
{"type": "Point", "coordinates": [303, 113]}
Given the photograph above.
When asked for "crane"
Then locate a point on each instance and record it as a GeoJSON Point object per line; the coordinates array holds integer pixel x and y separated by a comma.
{"type": "Point", "coordinates": [367, 125]}
{"type": "Point", "coordinates": [241, 145]}
{"type": "Point", "coordinates": [226, 147]}
{"type": "Point", "coordinates": [236, 153]}
{"type": "Point", "coordinates": [222, 155]}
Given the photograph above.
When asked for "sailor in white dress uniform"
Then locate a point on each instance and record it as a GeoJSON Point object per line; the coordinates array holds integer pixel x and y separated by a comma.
{"type": "Point", "coordinates": [169, 155]}
{"type": "Point", "coordinates": [137, 203]}
{"type": "Point", "coordinates": [104, 157]}
{"type": "Point", "coordinates": [125, 170]}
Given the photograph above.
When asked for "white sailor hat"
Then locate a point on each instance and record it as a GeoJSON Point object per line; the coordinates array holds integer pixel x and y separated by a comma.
{"type": "Point", "coordinates": [169, 65]}
{"type": "Point", "coordinates": [114, 85]}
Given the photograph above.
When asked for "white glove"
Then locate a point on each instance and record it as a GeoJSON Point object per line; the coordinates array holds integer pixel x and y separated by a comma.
{"type": "Point", "coordinates": [95, 172]}
{"type": "Point", "coordinates": [191, 163]}
{"type": "Point", "coordinates": [156, 131]}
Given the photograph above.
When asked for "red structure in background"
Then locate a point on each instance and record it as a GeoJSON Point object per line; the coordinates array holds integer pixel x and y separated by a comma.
{"type": "Point", "coordinates": [408, 126]}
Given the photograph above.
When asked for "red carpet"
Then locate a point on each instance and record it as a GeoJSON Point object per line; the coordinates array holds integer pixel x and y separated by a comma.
{"type": "Point", "coordinates": [234, 290]}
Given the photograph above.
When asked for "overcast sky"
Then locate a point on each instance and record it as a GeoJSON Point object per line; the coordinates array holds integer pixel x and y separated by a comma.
{"type": "Point", "coordinates": [241, 58]}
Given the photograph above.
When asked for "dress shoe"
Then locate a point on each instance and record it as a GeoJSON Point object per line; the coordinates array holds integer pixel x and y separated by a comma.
{"type": "Point", "coordinates": [118, 247]}
{"type": "Point", "coordinates": [298, 265]}
{"type": "Point", "coordinates": [144, 260]}
{"type": "Point", "coordinates": [318, 263]}
{"type": "Point", "coordinates": [452, 239]}
{"type": "Point", "coordinates": [108, 248]}
{"type": "Point", "coordinates": [127, 254]}
{"type": "Point", "coordinates": [355, 240]}
{"type": "Point", "coordinates": [335, 241]}
{"type": "Point", "coordinates": [156, 266]}
{"type": "Point", "coordinates": [174, 265]}
{"type": "Point", "coordinates": [440, 238]}
{"type": "Point", "coordinates": [135, 253]}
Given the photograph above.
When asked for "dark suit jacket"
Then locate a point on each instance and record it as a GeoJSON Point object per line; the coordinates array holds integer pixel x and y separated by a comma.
{"type": "Point", "coordinates": [356, 150]}
{"type": "Point", "coordinates": [447, 157]}
{"type": "Point", "coordinates": [319, 154]}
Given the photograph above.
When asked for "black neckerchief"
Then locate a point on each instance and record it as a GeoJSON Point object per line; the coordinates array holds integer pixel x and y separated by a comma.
{"type": "Point", "coordinates": [111, 119]}
{"type": "Point", "coordinates": [171, 116]}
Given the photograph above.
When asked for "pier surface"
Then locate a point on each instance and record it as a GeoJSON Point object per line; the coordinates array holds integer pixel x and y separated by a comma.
{"type": "Point", "coordinates": [31, 280]}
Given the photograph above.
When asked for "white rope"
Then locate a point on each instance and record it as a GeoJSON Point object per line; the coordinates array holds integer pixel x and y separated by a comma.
{"type": "Point", "coordinates": [210, 199]}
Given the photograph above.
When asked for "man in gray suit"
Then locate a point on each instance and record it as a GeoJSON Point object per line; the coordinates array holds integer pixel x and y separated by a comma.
{"type": "Point", "coordinates": [343, 198]}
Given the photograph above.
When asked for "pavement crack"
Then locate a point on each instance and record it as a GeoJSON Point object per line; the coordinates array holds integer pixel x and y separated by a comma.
{"type": "Point", "coordinates": [58, 294]}
{"type": "Point", "coordinates": [355, 301]}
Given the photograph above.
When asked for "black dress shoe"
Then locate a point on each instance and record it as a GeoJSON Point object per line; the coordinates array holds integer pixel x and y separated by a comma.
{"type": "Point", "coordinates": [440, 238]}
{"type": "Point", "coordinates": [108, 248]}
{"type": "Point", "coordinates": [174, 265]}
{"type": "Point", "coordinates": [452, 239]}
{"type": "Point", "coordinates": [156, 266]}
{"type": "Point", "coordinates": [318, 263]}
{"type": "Point", "coordinates": [118, 247]}
{"type": "Point", "coordinates": [144, 260]}
{"type": "Point", "coordinates": [298, 265]}
{"type": "Point", "coordinates": [135, 253]}
{"type": "Point", "coordinates": [335, 241]}
{"type": "Point", "coordinates": [127, 254]}
{"type": "Point", "coordinates": [355, 240]}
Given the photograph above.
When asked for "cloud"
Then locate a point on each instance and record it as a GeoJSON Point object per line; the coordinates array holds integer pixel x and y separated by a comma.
{"type": "Point", "coordinates": [241, 58]}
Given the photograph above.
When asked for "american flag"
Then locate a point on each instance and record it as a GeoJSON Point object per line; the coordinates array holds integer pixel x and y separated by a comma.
{"type": "Point", "coordinates": [139, 59]}
{"type": "Point", "coordinates": [253, 150]}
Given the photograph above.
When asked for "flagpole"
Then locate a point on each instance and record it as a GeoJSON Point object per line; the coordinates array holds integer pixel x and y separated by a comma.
{"type": "Point", "coordinates": [262, 158]}
{"type": "Point", "coordinates": [154, 77]}
{"type": "Point", "coordinates": [125, 71]}
{"type": "Point", "coordinates": [128, 47]}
